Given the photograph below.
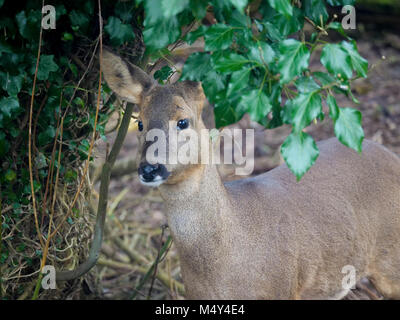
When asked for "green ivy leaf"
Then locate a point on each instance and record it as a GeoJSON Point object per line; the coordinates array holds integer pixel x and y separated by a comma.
{"type": "Point", "coordinates": [230, 62]}
{"type": "Point", "coordinates": [67, 36]}
{"type": "Point", "coordinates": [5, 47]}
{"type": "Point", "coordinates": [239, 4]}
{"type": "Point", "coordinates": [338, 27]}
{"type": "Point", "coordinates": [124, 10]}
{"type": "Point", "coordinates": [239, 80]}
{"type": "Point", "coordinates": [163, 74]}
{"type": "Point", "coordinates": [46, 65]}
{"type": "Point", "coordinates": [282, 6]}
{"type": "Point", "coordinates": [10, 175]}
{"type": "Point", "coordinates": [224, 115]}
{"type": "Point", "coordinates": [360, 65]}
{"type": "Point", "coordinates": [36, 187]}
{"type": "Point", "coordinates": [262, 53]}
{"type": "Point", "coordinates": [306, 84]}
{"type": "Point", "coordinates": [337, 61]}
{"type": "Point", "coordinates": [333, 107]}
{"type": "Point", "coordinates": [293, 59]}
{"type": "Point", "coordinates": [324, 78]}
{"type": "Point", "coordinates": [348, 128]}
{"type": "Point", "coordinates": [167, 31]}
{"type": "Point", "coordinates": [171, 8]}
{"type": "Point", "coordinates": [256, 103]}
{"type": "Point", "coordinates": [315, 9]}
{"type": "Point", "coordinates": [153, 12]}
{"type": "Point", "coordinates": [272, 32]}
{"type": "Point", "coordinates": [46, 136]}
{"type": "Point", "coordinates": [79, 19]}
{"type": "Point", "coordinates": [218, 37]}
{"type": "Point", "coordinates": [288, 25]}
{"type": "Point", "coordinates": [199, 10]}
{"type": "Point", "coordinates": [11, 83]}
{"type": "Point", "coordinates": [8, 106]}
{"type": "Point", "coordinates": [29, 24]}
{"type": "Point", "coordinates": [119, 32]}
{"type": "Point", "coordinates": [302, 110]}
{"type": "Point", "coordinates": [79, 102]}
{"type": "Point", "coordinates": [191, 37]}
{"type": "Point", "coordinates": [328, 80]}
{"type": "Point", "coordinates": [213, 83]}
{"type": "Point", "coordinates": [300, 152]}
{"type": "Point", "coordinates": [196, 66]}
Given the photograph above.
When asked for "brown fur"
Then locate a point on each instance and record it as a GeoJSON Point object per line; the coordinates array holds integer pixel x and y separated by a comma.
{"type": "Point", "coordinates": [270, 237]}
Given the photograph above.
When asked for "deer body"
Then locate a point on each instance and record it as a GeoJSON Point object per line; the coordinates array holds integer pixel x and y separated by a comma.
{"type": "Point", "coordinates": [270, 237]}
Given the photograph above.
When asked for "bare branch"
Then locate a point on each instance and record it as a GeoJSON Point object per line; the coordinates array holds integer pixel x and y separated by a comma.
{"type": "Point", "coordinates": [94, 252]}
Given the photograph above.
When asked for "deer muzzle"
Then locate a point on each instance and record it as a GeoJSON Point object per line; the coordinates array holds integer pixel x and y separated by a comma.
{"type": "Point", "coordinates": [152, 175]}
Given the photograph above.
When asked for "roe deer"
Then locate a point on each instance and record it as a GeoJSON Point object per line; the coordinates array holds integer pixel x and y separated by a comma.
{"type": "Point", "coordinates": [269, 236]}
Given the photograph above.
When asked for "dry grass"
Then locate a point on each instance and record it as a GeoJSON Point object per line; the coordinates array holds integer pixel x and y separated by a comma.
{"type": "Point", "coordinates": [130, 249]}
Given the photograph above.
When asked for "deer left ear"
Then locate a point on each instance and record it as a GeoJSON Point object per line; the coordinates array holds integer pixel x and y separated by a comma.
{"type": "Point", "coordinates": [194, 92]}
{"type": "Point", "coordinates": [125, 79]}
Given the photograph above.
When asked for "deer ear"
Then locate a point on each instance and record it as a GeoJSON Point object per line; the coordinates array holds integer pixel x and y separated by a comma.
{"type": "Point", "coordinates": [125, 79]}
{"type": "Point", "coordinates": [194, 92]}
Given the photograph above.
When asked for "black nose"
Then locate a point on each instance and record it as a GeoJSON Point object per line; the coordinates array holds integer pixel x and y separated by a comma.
{"type": "Point", "coordinates": [150, 171]}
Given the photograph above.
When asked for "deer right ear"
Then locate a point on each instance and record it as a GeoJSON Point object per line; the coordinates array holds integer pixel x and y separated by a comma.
{"type": "Point", "coordinates": [125, 79]}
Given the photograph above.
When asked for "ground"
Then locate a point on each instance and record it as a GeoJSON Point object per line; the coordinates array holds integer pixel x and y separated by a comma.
{"type": "Point", "coordinates": [135, 219]}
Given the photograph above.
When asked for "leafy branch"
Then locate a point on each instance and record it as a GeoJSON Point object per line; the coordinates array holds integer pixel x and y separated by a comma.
{"type": "Point", "coordinates": [243, 50]}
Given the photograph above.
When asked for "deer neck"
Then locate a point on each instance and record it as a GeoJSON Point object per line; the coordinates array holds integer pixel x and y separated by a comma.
{"type": "Point", "coordinates": [200, 197]}
{"type": "Point", "coordinates": [197, 213]}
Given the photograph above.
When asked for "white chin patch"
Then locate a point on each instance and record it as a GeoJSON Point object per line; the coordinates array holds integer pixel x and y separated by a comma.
{"type": "Point", "coordinates": [153, 184]}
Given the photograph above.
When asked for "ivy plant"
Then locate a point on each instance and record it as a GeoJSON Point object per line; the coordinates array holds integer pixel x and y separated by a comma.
{"type": "Point", "coordinates": [256, 60]}
{"type": "Point", "coordinates": [66, 86]}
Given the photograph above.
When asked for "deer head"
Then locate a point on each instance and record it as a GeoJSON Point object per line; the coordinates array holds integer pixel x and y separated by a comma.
{"type": "Point", "coordinates": [163, 109]}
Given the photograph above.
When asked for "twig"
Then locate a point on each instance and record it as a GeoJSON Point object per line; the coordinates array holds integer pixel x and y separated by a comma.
{"type": "Point", "coordinates": [156, 264]}
{"type": "Point", "coordinates": [30, 139]}
{"type": "Point", "coordinates": [86, 71]}
{"type": "Point", "coordinates": [163, 252]}
{"type": "Point", "coordinates": [79, 62]}
{"type": "Point", "coordinates": [36, 121]}
{"type": "Point", "coordinates": [125, 266]}
{"type": "Point", "coordinates": [121, 168]}
{"type": "Point", "coordinates": [133, 256]}
{"type": "Point", "coordinates": [6, 209]}
{"type": "Point", "coordinates": [53, 154]}
{"type": "Point", "coordinates": [93, 137]}
{"type": "Point", "coordinates": [102, 206]}
{"type": "Point", "coordinates": [47, 244]}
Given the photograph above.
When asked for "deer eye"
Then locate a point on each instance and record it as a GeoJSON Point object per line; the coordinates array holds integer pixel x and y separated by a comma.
{"type": "Point", "coordinates": [140, 125]}
{"type": "Point", "coordinates": [183, 124]}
